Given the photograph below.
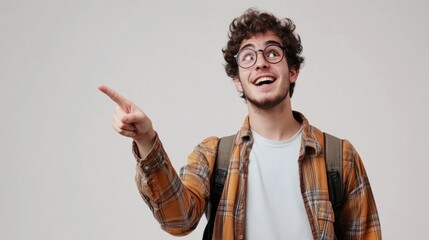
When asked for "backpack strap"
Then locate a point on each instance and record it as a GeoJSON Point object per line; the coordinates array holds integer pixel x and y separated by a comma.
{"type": "Point", "coordinates": [220, 171]}
{"type": "Point", "coordinates": [334, 173]}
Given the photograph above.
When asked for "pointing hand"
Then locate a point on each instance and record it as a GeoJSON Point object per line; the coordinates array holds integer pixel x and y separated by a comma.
{"type": "Point", "coordinates": [130, 121]}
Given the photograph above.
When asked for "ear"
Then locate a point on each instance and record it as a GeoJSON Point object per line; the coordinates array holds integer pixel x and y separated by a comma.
{"type": "Point", "coordinates": [293, 74]}
{"type": "Point", "coordinates": [237, 84]}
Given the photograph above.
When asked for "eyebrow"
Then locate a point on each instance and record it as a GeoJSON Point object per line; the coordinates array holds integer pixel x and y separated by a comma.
{"type": "Point", "coordinates": [270, 42]}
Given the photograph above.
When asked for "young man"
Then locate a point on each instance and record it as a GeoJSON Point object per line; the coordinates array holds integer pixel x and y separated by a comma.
{"type": "Point", "coordinates": [276, 187]}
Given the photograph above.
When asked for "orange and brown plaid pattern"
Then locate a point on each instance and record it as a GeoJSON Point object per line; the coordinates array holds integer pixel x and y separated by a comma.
{"type": "Point", "coordinates": [178, 203]}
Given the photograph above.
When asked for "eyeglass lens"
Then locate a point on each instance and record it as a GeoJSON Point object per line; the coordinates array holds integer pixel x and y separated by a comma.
{"type": "Point", "coordinates": [247, 57]}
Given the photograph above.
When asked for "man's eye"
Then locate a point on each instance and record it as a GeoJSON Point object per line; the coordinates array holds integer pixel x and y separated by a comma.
{"type": "Point", "coordinates": [248, 57]}
{"type": "Point", "coordinates": [273, 54]}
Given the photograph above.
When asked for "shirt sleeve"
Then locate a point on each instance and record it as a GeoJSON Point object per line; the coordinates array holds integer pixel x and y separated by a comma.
{"type": "Point", "coordinates": [359, 217]}
{"type": "Point", "coordinates": [176, 202]}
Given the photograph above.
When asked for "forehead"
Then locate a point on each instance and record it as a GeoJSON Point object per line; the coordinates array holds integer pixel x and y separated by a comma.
{"type": "Point", "coordinates": [261, 40]}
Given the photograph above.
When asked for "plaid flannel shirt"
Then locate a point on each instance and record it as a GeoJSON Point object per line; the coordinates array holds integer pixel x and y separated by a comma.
{"type": "Point", "coordinates": [178, 203]}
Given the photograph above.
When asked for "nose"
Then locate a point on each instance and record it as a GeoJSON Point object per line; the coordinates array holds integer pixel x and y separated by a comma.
{"type": "Point", "coordinates": [261, 62]}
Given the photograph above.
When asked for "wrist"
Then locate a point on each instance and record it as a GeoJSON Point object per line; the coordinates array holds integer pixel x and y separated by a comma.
{"type": "Point", "coordinates": [145, 142]}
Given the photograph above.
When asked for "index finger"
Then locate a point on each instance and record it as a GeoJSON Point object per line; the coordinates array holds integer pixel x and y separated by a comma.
{"type": "Point", "coordinates": [112, 94]}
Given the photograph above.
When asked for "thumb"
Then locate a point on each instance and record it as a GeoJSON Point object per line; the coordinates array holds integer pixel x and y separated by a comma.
{"type": "Point", "coordinates": [133, 118]}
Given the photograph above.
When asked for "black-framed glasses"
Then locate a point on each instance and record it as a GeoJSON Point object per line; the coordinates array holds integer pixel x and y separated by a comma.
{"type": "Point", "coordinates": [247, 57]}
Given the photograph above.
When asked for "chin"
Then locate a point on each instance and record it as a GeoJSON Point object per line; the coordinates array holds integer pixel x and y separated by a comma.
{"type": "Point", "coordinates": [268, 103]}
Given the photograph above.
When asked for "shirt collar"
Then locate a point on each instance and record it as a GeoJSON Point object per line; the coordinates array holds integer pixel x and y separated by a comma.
{"type": "Point", "coordinates": [309, 140]}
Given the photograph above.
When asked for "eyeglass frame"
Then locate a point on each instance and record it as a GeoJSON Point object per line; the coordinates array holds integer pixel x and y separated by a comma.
{"type": "Point", "coordinates": [263, 55]}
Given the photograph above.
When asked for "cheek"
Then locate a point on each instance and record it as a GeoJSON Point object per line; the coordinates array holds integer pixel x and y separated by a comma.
{"type": "Point", "coordinates": [244, 74]}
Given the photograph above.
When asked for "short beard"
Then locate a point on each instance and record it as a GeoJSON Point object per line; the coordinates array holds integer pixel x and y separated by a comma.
{"type": "Point", "coordinates": [267, 104]}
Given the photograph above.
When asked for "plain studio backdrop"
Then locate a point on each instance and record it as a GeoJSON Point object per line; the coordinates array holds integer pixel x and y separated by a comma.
{"type": "Point", "coordinates": [66, 174]}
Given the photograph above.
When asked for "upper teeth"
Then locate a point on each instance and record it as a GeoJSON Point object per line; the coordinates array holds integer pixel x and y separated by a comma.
{"type": "Point", "coordinates": [262, 79]}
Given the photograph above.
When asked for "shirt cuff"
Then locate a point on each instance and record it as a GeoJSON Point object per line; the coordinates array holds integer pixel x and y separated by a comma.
{"type": "Point", "coordinates": [153, 160]}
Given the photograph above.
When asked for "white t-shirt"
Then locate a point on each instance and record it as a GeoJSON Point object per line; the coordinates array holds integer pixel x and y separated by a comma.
{"type": "Point", "coordinates": [275, 207]}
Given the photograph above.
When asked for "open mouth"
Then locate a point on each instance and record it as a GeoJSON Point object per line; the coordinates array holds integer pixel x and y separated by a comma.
{"type": "Point", "coordinates": [264, 81]}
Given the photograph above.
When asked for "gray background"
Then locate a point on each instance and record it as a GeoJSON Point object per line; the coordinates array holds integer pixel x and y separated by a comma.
{"type": "Point", "coordinates": [66, 174]}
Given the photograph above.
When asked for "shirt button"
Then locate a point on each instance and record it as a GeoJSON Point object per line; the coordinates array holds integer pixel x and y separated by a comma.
{"type": "Point", "coordinates": [146, 168]}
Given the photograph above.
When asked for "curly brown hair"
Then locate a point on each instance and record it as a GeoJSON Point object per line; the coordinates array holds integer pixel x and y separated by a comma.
{"type": "Point", "coordinates": [254, 22]}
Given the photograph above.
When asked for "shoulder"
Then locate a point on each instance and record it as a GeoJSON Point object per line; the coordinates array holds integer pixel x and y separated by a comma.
{"type": "Point", "coordinates": [209, 142]}
{"type": "Point", "coordinates": [349, 153]}
{"type": "Point", "coordinates": [208, 146]}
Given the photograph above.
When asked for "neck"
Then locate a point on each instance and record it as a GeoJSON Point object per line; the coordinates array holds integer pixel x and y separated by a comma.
{"type": "Point", "coordinates": [276, 123]}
